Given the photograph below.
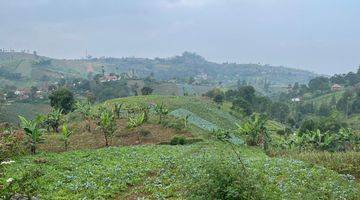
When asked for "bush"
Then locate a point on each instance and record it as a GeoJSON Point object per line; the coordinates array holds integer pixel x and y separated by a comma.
{"type": "Point", "coordinates": [178, 140]}
{"type": "Point", "coordinates": [223, 179]}
{"type": "Point", "coordinates": [26, 186]}
{"type": "Point", "coordinates": [144, 133]}
{"type": "Point", "coordinates": [177, 125]}
{"type": "Point", "coordinates": [11, 144]}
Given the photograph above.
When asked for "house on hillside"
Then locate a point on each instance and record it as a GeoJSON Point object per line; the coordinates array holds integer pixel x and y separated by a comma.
{"type": "Point", "coordinates": [336, 87]}
{"type": "Point", "coordinates": [108, 78]}
{"type": "Point", "coordinates": [22, 93]}
{"type": "Point", "coordinates": [296, 99]}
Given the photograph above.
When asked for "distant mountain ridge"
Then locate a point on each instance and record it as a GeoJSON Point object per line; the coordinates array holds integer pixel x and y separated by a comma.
{"type": "Point", "coordinates": [34, 68]}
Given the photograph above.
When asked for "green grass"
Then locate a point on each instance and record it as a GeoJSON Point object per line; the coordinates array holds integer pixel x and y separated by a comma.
{"type": "Point", "coordinates": [167, 172]}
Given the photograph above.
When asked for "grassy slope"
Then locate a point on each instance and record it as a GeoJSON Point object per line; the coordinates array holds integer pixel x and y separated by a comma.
{"type": "Point", "coordinates": [9, 113]}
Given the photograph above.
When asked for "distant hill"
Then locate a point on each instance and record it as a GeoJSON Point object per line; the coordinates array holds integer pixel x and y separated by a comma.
{"type": "Point", "coordinates": [23, 69]}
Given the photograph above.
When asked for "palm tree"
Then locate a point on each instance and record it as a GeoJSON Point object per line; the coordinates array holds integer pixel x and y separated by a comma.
{"type": "Point", "coordinates": [33, 131]}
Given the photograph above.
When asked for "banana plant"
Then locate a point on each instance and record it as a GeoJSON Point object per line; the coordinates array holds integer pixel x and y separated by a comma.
{"type": "Point", "coordinates": [136, 121]}
{"type": "Point", "coordinates": [117, 109]}
{"type": "Point", "coordinates": [161, 110]}
{"type": "Point", "coordinates": [53, 119]}
{"type": "Point", "coordinates": [33, 131]}
{"type": "Point", "coordinates": [65, 135]}
{"type": "Point", "coordinates": [255, 130]}
{"type": "Point", "coordinates": [107, 124]}
{"type": "Point", "coordinates": [186, 120]}
{"type": "Point", "coordinates": [318, 139]}
{"type": "Point", "coordinates": [145, 110]}
{"type": "Point", "coordinates": [85, 109]}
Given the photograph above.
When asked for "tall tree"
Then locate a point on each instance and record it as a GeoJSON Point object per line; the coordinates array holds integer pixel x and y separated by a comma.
{"type": "Point", "coordinates": [62, 99]}
{"type": "Point", "coordinates": [319, 84]}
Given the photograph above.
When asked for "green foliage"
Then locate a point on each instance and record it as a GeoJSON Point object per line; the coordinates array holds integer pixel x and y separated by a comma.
{"type": "Point", "coordinates": [136, 121]}
{"type": "Point", "coordinates": [161, 110]}
{"type": "Point", "coordinates": [65, 135]}
{"type": "Point", "coordinates": [174, 124]}
{"type": "Point", "coordinates": [186, 120]}
{"type": "Point", "coordinates": [117, 109]}
{"type": "Point", "coordinates": [25, 186]}
{"type": "Point", "coordinates": [224, 180]}
{"type": "Point", "coordinates": [62, 99]}
{"type": "Point", "coordinates": [33, 131]}
{"type": "Point", "coordinates": [107, 124]}
{"type": "Point", "coordinates": [11, 144]}
{"type": "Point", "coordinates": [255, 131]}
{"type": "Point", "coordinates": [194, 119]}
{"type": "Point", "coordinates": [333, 123]}
{"type": "Point", "coordinates": [178, 140]}
{"type": "Point", "coordinates": [86, 111]}
{"type": "Point", "coordinates": [146, 90]}
{"type": "Point", "coordinates": [347, 163]}
{"type": "Point", "coordinates": [53, 119]}
{"type": "Point", "coordinates": [343, 140]}
{"type": "Point", "coordinates": [319, 84]}
{"type": "Point", "coordinates": [179, 172]}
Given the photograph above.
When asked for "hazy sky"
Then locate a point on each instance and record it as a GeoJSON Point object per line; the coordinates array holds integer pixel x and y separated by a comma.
{"type": "Point", "coordinates": [317, 35]}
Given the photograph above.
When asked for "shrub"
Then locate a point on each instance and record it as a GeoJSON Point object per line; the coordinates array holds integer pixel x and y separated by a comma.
{"type": "Point", "coordinates": [178, 140]}
{"type": "Point", "coordinates": [11, 144]}
{"type": "Point", "coordinates": [53, 120]}
{"type": "Point", "coordinates": [62, 99]}
{"type": "Point", "coordinates": [24, 187]}
{"type": "Point", "coordinates": [177, 125]}
{"type": "Point", "coordinates": [144, 133]}
{"type": "Point", "coordinates": [223, 179]}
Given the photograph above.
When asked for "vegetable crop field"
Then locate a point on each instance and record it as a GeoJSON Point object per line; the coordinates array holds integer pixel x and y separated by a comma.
{"type": "Point", "coordinates": [167, 172]}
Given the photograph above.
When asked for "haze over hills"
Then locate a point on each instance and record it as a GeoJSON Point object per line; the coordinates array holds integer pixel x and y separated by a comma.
{"type": "Point", "coordinates": [24, 69]}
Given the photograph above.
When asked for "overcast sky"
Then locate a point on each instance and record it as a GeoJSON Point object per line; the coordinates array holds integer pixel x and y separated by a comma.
{"type": "Point", "coordinates": [318, 35]}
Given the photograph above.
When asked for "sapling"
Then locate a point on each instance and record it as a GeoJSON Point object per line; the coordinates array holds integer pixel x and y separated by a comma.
{"type": "Point", "coordinates": [33, 131]}
{"type": "Point", "coordinates": [65, 135]}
